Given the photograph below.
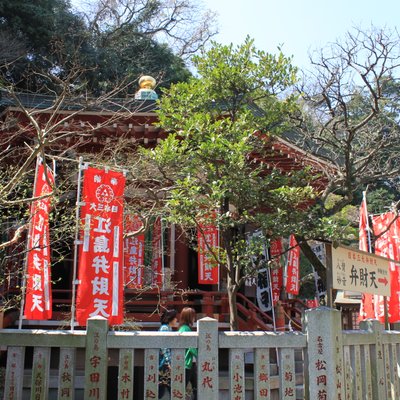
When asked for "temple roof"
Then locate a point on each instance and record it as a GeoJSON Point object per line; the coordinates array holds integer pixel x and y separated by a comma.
{"type": "Point", "coordinates": [289, 151]}
{"type": "Point", "coordinates": [79, 103]}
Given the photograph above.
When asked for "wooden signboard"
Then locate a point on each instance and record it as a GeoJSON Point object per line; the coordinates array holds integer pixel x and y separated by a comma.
{"type": "Point", "coordinates": [359, 271]}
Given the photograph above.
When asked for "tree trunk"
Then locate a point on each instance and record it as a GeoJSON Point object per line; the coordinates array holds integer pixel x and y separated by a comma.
{"type": "Point", "coordinates": [232, 286]}
{"type": "Point", "coordinates": [314, 260]}
{"type": "Point", "coordinates": [233, 314]}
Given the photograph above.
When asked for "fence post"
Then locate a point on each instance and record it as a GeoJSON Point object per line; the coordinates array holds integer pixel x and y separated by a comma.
{"type": "Point", "coordinates": [96, 359]}
{"type": "Point", "coordinates": [376, 359]}
{"type": "Point", "coordinates": [324, 356]}
{"type": "Point", "coordinates": [207, 360]}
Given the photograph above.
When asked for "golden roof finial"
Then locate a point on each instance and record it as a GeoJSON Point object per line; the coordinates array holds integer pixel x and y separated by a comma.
{"type": "Point", "coordinates": [147, 82]}
{"type": "Point", "coordinates": [146, 92]}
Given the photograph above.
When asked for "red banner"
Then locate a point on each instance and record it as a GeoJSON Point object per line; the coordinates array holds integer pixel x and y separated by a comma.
{"type": "Point", "coordinates": [293, 267]}
{"type": "Point", "coordinates": [100, 290]}
{"type": "Point", "coordinates": [157, 254]}
{"type": "Point", "coordinates": [387, 246]}
{"type": "Point", "coordinates": [276, 271]}
{"type": "Point", "coordinates": [312, 303]}
{"type": "Point", "coordinates": [363, 227]}
{"type": "Point", "coordinates": [38, 301]}
{"type": "Point", "coordinates": [133, 254]}
{"type": "Point", "coordinates": [367, 304]}
{"type": "Point", "coordinates": [208, 242]}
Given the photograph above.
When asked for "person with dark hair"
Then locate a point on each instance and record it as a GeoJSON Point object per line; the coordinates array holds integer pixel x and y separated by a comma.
{"type": "Point", "coordinates": [168, 321]}
{"type": "Point", "coordinates": [187, 319]}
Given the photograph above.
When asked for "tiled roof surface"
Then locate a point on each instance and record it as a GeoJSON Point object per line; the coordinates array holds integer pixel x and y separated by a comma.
{"type": "Point", "coordinates": [43, 102]}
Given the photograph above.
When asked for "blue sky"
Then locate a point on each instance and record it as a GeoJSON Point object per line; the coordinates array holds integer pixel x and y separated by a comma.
{"type": "Point", "coordinates": [298, 25]}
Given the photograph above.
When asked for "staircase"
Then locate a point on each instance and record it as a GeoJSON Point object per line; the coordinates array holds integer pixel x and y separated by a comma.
{"type": "Point", "coordinates": [143, 309]}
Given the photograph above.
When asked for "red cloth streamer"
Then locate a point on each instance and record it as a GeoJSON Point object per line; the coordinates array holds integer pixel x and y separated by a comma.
{"type": "Point", "coordinates": [277, 271]}
{"type": "Point", "coordinates": [157, 254]}
{"type": "Point", "coordinates": [100, 290]}
{"type": "Point", "coordinates": [38, 299]}
{"type": "Point", "coordinates": [387, 245]}
{"type": "Point", "coordinates": [293, 267]}
{"type": "Point", "coordinates": [367, 304]}
{"type": "Point", "coordinates": [133, 253]}
{"type": "Point", "coordinates": [208, 242]}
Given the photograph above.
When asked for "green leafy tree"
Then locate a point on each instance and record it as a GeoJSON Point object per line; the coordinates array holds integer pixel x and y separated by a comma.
{"type": "Point", "coordinates": [349, 120]}
{"type": "Point", "coordinates": [112, 45]}
{"type": "Point", "coordinates": [210, 167]}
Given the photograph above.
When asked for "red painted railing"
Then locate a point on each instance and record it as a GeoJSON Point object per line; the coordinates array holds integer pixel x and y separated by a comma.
{"type": "Point", "coordinates": [144, 307]}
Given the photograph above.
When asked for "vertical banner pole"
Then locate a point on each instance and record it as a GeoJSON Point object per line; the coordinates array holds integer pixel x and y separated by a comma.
{"type": "Point", "coordinates": [54, 169]}
{"type": "Point", "coordinates": [23, 286]}
{"type": "Point", "coordinates": [285, 267]}
{"type": "Point", "coordinates": [162, 254]}
{"type": "Point", "coordinates": [172, 250]}
{"type": "Point", "coordinates": [367, 223]}
{"type": "Point", "coordinates": [329, 277]}
{"type": "Point", "coordinates": [219, 264]}
{"type": "Point", "coordinates": [272, 298]}
{"type": "Point", "coordinates": [77, 224]}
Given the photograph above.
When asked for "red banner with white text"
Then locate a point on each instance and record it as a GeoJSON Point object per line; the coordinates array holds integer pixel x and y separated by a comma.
{"type": "Point", "coordinates": [277, 270]}
{"type": "Point", "coordinates": [38, 299]}
{"type": "Point", "coordinates": [312, 303]}
{"type": "Point", "coordinates": [367, 303]}
{"type": "Point", "coordinates": [293, 267]}
{"type": "Point", "coordinates": [133, 253]}
{"type": "Point", "coordinates": [387, 245]}
{"type": "Point", "coordinates": [100, 290]}
{"type": "Point", "coordinates": [157, 254]}
{"type": "Point", "coordinates": [208, 242]}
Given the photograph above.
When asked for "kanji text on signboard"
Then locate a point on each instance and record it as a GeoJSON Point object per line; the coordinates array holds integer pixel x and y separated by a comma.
{"type": "Point", "coordinates": [360, 271]}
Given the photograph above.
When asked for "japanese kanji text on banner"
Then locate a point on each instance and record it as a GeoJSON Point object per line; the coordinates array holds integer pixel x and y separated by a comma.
{"type": "Point", "coordinates": [275, 251]}
{"type": "Point", "coordinates": [359, 271]}
{"type": "Point", "coordinates": [134, 253]}
{"type": "Point", "coordinates": [100, 290]}
{"type": "Point", "coordinates": [38, 303]}
{"type": "Point", "coordinates": [293, 267]}
{"type": "Point", "coordinates": [157, 254]}
{"type": "Point", "coordinates": [208, 242]}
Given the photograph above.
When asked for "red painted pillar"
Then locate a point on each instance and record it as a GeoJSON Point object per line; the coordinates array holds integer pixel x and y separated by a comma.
{"type": "Point", "coordinates": [279, 317]}
{"type": "Point", "coordinates": [208, 304]}
{"type": "Point", "coordinates": [181, 261]}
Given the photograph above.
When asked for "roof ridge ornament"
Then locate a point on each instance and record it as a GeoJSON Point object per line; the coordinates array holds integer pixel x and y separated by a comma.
{"type": "Point", "coordinates": [146, 92]}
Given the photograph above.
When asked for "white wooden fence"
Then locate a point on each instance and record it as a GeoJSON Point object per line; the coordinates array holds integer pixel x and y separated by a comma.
{"type": "Point", "coordinates": [322, 363]}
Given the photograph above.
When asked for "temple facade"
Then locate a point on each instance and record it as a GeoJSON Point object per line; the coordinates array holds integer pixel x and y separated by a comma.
{"type": "Point", "coordinates": [73, 129]}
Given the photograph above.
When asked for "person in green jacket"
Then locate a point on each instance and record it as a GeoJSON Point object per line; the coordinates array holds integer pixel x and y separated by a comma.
{"type": "Point", "coordinates": [187, 319]}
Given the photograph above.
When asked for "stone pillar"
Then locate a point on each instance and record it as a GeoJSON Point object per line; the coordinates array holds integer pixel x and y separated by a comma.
{"type": "Point", "coordinates": [96, 359]}
{"type": "Point", "coordinates": [207, 361]}
{"type": "Point", "coordinates": [14, 373]}
{"type": "Point", "coordinates": [324, 369]}
{"type": "Point", "coordinates": [40, 373]}
{"type": "Point", "coordinates": [378, 386]}
{"type": "Point", "coordinates": [66, 374]}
